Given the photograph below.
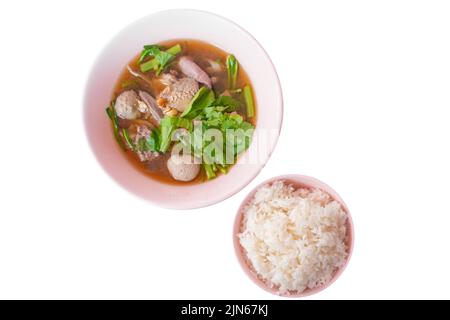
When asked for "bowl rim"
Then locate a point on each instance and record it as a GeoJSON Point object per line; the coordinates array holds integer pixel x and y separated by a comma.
{"type": "Point", "coordinates": [302, 180]}
{"type": "Point", "coordinates": [278, 91]}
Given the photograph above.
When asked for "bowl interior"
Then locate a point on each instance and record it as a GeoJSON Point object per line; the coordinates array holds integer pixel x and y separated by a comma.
{"type": "Point", "coordinates": [297, 181]}
{"type": "Point", "coordinates": [178, 24]}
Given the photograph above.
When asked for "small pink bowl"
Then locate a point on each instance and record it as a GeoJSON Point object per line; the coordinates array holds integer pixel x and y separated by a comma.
{"type": "Point", "coordinates": [298, 181]}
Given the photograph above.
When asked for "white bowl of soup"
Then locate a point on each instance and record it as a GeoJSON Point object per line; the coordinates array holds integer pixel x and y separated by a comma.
{"type": "Point", "coordinates": [183, 108]}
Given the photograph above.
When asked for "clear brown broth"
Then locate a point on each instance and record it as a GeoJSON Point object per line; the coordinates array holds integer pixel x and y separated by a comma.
{"type": "Point", "coordinates": [200, 52]}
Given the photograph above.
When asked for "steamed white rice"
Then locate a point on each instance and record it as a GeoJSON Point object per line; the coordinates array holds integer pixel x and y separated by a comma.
{"type": "Point", "coordinates": [294, 239]}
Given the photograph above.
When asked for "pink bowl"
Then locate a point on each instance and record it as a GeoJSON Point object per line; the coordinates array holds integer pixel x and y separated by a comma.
{"type": "Point", "coordinates": [298, 181]}
{"type": "Point", "coordinates": [179, 24]}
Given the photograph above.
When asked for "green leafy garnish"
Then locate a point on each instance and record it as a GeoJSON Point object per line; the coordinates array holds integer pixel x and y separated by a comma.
{"type": "Point", "coordinates": [248, 97]}
{"type": "Point", "coordinates": [154, 140]}
{"type": "Point", "coordinates": [142, 145]}
{"type": "Point", "coordinates": [210, 174]}
{"type": "Point", "coordinates": [149, 50]}
{"type": "Point", "coordinates": [149, 144]}
{"type": "Point", "coordinates": [211, 113]}
{"type": "Point", "coordinates": [176, 49]}
{"type": "Point", "coordinates": [160, 59]}
{"type": "Point", "coordinates": [167, 126]}
{"type": "Point", "coordinates": [223, 169]}
{"type": "Point", "coordinates": [236, 133]}
{"type": "Point", "coordinates": [215, 113]}
{"type": "Point", "coordinates": [111, 112]}
{"type": "Point", "coordinates": [226, 101]}
{"type": "Point", "coordinates": [127, 139]}
{"type": "Point", "coordinates": [232, 70]}
{"type": "Point", "coordinates": [202, 99]}
{"type": "Point", "coordinates": [152, 64]}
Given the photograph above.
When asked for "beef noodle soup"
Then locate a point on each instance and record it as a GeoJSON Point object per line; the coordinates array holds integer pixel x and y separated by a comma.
{"type": "Point", "coordinates": [170, 98]}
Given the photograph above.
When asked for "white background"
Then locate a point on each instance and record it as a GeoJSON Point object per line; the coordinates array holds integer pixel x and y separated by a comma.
{"type": "Point", "coordinates": [366, 90]}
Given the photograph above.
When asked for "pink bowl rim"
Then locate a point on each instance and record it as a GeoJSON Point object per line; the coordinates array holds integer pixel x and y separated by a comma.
{"type": "Point", "coordinates": [244, 183]}
{"type": "Point", "coordinates": [302, 180]}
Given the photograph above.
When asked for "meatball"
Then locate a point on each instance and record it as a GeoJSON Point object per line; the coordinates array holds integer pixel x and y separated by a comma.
{"type": "Point", "coordinates": [127, 104]}
{"type": "Point", "coordinates": [182, 167]}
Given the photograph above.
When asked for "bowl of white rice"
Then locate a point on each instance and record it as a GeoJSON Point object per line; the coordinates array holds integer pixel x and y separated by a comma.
{"type": "Point", "coordinates": [293, 235]}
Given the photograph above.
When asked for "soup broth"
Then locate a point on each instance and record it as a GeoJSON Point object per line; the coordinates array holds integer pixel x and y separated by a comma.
{"type": "Point", "coordinates": [210, 59]}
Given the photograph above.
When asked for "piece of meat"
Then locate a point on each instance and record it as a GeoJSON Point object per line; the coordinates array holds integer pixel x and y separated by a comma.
{"type": "Point", "coordinates": [152, 106]}
{"type": "Point", "coordinates": [156, 164]}
{"type": "Point", "coordinates": [124, 123]}
{"type": "Point", "coordinates": [192, 70]}
{"type": "Point", "coordinates": [126, 105]}
{"type": "Point", "coordinates": [214, 66]}
{"type": "Point", "coordinates": [183, 167]}
{"type": "Point", "coordinates": [131, 106]}
{"type": "Point", "coordinates": [144, 132]}
{"type": "Point", "coordinates": [178, 94]}
{"type": "Point", "coordinates": [214, 80]}
{"type": "Point", "coordinates": [148, 156]}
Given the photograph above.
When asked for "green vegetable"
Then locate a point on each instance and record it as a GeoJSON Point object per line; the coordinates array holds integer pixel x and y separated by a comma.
{"type": "Point", "coordinates": [176, 49]}
{"type": "Point", "coordinates": [160, 58]}
{"type": "Point", "coordinates": [248, 97]}
{"type": "Point", "coordinates": [149, 50]}
{"type": "Point", "coordinates": [218, 157]}
{"type": "Point", "coordinates": [149, 144]}
{"type": "Point", "coordinates": [237, 135]}
{"type": "Point", "coordinates": [111, 112]}
{"type": "Point", "coordinates": [210, 174]}
{"type": "Point", "coordinates": [232, 69]}
{"type": "Point", "coordinates": [149, 65]}
{"type": "Point", "coordinates": [153, 141]}
{"type": "Point", "coordinates": [226, 101]}
{"type": "Point", "coordinates": [167, 126]}
{"type": "Point", "coordinates": [163, 60]}
{"type": "Point", "coordinates": [127, 139]}
{"type": "Point", "coordinates": [184, 123]}
{"type": "Point", "coordinates": [223, 169]}
{"type": "Point", "coordinates": [202, 99]}
{"type": "Point", "coordinates": [214, 113]}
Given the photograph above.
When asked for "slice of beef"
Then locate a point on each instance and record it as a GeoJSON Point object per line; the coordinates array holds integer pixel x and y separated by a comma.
{"type": "Point", "coordinates": [152, 107]}
{"type": "Point", "coordinates": [178, 94]}
{"type": "Point", "coordinates": [192, 70]}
